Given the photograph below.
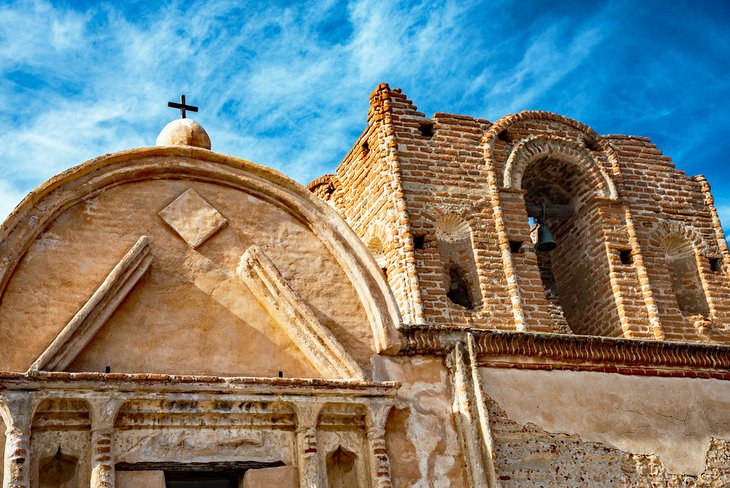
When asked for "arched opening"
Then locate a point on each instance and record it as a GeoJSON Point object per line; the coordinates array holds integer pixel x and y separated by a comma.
{"type": "Point", "coordinates": [57, 470]}
{"type": "Point", "coordinates": [342, 469]}
{"type": "Point", "coordinates": [454, 239]}
{"type": "Point", "coordinates": [458, 290]}
{"type": "Point", "coordinates": [561, 196]}
{"type": "Point", "coordinates": [341, 434]}
{"type": "Point", "coordinates": [684, 276]}
{"type": "Point", "coordinates": [61, 443]}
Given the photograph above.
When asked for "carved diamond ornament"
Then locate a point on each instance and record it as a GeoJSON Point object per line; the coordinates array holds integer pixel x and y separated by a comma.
{"type": "Point", "coordinates": [194, 219]}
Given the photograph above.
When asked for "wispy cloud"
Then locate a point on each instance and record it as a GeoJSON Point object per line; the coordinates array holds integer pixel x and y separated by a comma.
{"type": "Point", "coordinates": [287, 85]}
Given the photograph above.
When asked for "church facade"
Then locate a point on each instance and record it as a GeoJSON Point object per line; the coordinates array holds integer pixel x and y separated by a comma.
{"type": "Point", "coordinates": [463, 303]}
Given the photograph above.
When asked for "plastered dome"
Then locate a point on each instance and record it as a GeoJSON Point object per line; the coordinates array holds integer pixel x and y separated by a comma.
{"type": "Point", "coordinates": [183, 132]}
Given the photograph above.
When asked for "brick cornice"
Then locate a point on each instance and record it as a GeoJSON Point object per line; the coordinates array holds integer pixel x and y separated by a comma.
{"type": "Point", "coordinates": [534, 350]}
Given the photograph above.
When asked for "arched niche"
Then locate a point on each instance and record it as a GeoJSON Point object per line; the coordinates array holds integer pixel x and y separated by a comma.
{"type": "Point", "coordinates": [376, 244]}
{"type": "Point", "coordinates": [681, 263]}
{"type": "Point", "coordinates": [341, 466]}
{"type": "Point", "coordinates": [92, 201]}
{"type": "Point", "coordinates": [566, 191]}
{"type": "Point", "coordinates": [456, 250]}
{"type": "Point", "coordinates": [676, 264]}
{"type": "Point", "coordinates": [60, 444]}
{"type": "Point", "coordinates": [341, 436]}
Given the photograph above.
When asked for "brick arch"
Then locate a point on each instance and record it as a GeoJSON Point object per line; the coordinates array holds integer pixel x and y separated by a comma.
{"type": "Point", "coordinates": [325, 186]}
{"type": "Point", "coordinates": [586, 133]}
{"type": "Point", "coordinates": [666, 228]}
{"type": "Point", "coordinates": [556, 147]}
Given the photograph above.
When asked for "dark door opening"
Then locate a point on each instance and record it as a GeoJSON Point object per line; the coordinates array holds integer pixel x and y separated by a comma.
{"type": "Point", "coordinates": [201, 480]}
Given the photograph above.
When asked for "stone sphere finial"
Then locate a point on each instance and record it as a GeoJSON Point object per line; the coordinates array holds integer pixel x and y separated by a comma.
{"type": "Point", "coordinates": [183, 132]}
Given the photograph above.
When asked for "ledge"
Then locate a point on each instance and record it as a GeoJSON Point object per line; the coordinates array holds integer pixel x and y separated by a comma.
{"type": "Point", "coordinates": [189, 383]}
{"type": "Point", "coordinates": [533, 350]}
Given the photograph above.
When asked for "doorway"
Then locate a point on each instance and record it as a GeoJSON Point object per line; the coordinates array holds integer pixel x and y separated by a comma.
{"type": "Point", "coordinates": [201, 480]}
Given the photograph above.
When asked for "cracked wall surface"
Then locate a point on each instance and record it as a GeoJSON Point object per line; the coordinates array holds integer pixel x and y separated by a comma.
{"type": "Point", "coordinates": [565, 425]}
{"type": "Point", "coordinates": [421, 434]}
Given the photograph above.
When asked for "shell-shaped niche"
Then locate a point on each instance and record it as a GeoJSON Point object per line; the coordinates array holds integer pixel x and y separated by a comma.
{"type": "Point", "coordinates": [377, 249]}
{"type": "Point", "coordinates": [452, 227]}
{"type": "Point", "coordinates": [677, 246]}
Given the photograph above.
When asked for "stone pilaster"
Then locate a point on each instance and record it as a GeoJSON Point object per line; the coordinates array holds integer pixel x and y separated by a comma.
{"type": "Point", "coordinates": [472, 417]}
{"type": "Point", "coordinates": [103, 413]}
{"type": "Point", "coordinates": [18, 413]}
{"type": "Point", "coordinates": [379, 460]}
{"type": "Point", "coordinates": [310, 462]}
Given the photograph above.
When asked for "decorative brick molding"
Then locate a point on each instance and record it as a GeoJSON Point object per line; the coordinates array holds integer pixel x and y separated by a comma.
{"type": "Point", "coordinates": [540, 116]}
{"type": "Point", "coordinates": [590, 353]}
{"type": "Point", "coordinates": [557, 147]}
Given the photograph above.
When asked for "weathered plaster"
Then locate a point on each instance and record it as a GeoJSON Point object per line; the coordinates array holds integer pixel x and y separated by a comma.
{"type": "Point", "coordinates": [421, 433]}
{"type": "Point", "coordinates": [674, 418]}
{"type": "Point", "coordinates": [191, 302]}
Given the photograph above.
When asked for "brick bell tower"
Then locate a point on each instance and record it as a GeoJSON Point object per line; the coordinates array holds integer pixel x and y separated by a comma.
{"type": "Point", "coordinates": [451, 208]}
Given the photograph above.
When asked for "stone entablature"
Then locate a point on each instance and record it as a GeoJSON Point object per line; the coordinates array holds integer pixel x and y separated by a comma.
{"type": "Point", "coordinates": [211, 421]}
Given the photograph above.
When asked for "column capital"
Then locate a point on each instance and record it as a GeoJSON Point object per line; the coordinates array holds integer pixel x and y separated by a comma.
{"type": "Point", "coordinates": [377, 418]}
{"type": "Point", "coordinates": [307, 415]}
{"type": "Point", "coordinates": [103, 412]}
{"type": "Point", "coordinates": [17, 408]}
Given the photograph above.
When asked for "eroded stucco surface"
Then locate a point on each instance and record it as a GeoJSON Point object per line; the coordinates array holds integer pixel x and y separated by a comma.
{"type": "Point", "coordinates": [190, 313]}
{"type": "Point", "coordinates": [672, 418]}
{"type": "Point", "coordinates": [420, 433]}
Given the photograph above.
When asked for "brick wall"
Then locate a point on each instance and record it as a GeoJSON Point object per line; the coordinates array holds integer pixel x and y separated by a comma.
{"type": "Point", "coordinates": [613, 204]}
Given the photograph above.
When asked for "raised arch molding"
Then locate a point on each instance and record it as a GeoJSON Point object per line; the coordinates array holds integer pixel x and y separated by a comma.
{"type": "Point", "coordinates": [669, 227]}
{"type": "Point", "coordinates": [549, 146]}
{"type": "Point", "coordinates": [42, 206]}
{"type": "Point", "coordinates": [584, 131]}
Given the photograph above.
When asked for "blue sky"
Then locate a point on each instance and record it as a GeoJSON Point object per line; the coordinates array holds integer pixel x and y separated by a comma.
{"type": "Point", "coordinates": [286, 84]}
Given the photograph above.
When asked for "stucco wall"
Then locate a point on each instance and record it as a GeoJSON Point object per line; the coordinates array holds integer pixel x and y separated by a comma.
{"type": "Point", "coordinates": [420, 434]}
{"type": "Point", "coordinates": [672, 418]}
{"type": "Point", "coordinates": [191, 313]}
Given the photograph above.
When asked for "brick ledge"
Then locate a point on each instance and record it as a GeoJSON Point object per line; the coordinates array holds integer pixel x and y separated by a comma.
{"type": "Point", "coordinates": [534, 350]}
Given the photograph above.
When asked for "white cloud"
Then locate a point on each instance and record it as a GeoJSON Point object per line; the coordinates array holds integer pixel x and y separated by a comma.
{"type": "Point", "coordinates": [273, 84]}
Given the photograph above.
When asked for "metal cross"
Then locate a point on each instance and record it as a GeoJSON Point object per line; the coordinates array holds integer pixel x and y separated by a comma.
{"type": "Point", "coordinates": [182, 106]}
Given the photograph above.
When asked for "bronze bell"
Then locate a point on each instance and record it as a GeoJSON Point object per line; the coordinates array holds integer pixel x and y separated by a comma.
{"type": "Point", "coordinates": [545, 240]}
